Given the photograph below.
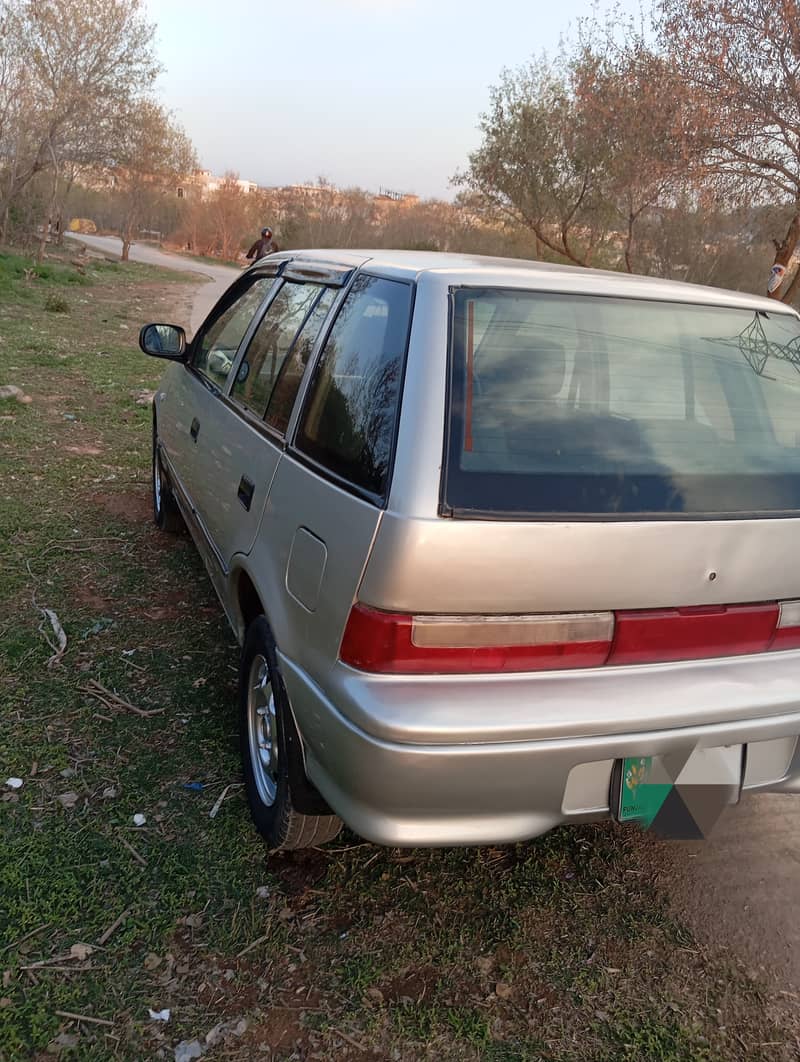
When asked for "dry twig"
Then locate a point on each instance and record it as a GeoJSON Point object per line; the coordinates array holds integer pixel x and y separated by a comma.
{"type": "Point", "coordinates": [83, 1017]}
{"type": "Point", "coordinates": [106, 936]}
{"type": "Point", "coordinates": [61, 638]}
{"type": "Point", "coordinates": [134, 853]}
{"type": "Point", "coordinates": [113, 700]}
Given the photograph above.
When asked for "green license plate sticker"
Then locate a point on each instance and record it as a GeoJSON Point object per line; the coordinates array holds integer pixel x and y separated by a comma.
{"type": "Point", "coordinates": [640, 797]}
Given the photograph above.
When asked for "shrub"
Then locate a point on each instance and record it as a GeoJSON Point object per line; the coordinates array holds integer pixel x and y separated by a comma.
{"type": "Point", "coordinates": [56, 304]}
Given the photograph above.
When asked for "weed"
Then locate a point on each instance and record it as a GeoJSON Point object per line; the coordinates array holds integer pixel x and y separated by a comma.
{"type": "Point", "coordinates": [56, 304]}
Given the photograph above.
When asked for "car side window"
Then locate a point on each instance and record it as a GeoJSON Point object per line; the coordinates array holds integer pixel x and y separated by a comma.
{"type": "Point", "coordinates": [281, 402]}
{"type": "Point", "coordinates": [349, 419]}
{"type": "Point", "coordinates": [216, 344]}
{"type": "Point", "coordinates": [271, 342]}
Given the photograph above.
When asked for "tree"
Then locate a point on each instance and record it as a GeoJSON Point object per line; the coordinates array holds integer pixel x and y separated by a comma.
{"type": "Point", "coordinates": [229, 216]}
{"type": "Point", "coordinates": [539, 164]}
{"type": "Point", "coordinates": [153, 157]}
{"type": "Point", "coordinates": [632, 102]}
{"type": "Point", "coordinates": [742, 60]}
{"type": "Point", "coordinates": [84, 63]}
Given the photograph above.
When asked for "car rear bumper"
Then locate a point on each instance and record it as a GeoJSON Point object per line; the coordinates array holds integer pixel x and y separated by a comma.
{"type": "Point", "coordinates": [440, 785]}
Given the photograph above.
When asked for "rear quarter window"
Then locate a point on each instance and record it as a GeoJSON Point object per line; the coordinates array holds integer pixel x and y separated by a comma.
{"type": "Point", "coordinates": [349, 421]}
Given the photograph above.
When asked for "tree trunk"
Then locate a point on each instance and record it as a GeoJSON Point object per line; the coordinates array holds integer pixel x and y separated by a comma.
{"type": "Point", "coordinates": [51, 208]}
{"type": "Point", "coordinates": [785, 249]}
{"type": "Point", "coordinates": [126, 247]}
{"type": "Point", "coordinates": [12, 176]}
{"type": "Point", "coordinates": [629, 245]}
{"type": "Point", "coordinates": [791, 291]}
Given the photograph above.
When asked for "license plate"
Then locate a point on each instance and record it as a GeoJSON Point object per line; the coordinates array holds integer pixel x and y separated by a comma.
{"type": "Point", "coordinates": [680, 794]}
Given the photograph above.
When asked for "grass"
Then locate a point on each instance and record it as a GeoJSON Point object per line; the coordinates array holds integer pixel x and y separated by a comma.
{"type": "Point", "coordinates": [561, 949]}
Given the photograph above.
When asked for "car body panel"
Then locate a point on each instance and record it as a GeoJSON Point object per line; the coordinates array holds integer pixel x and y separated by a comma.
{"type": "Point", "coordinates": [345, 526]}
{"type": "Point", "coordinates": [489, 792]}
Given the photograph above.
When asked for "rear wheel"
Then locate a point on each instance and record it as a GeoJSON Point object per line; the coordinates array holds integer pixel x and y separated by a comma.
{"type": "Point", "coordinates": [270, 749]}
{"type": "Point", "coordinates": [166, 514]}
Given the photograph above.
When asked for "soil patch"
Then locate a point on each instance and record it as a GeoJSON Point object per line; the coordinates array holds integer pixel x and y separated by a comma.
{"type": "Point", "coordinates": [130, 505]}
{"type": "Point", "coordinates": [84, 451]}
{"type": "Point", "coordinates": [86, 596]}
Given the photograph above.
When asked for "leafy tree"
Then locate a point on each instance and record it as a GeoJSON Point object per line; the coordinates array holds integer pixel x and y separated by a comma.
{"type": "Point", "coordinates": [539, 164]}
{"type": "Point", "coordinates": [153, 156]}
{"type": "Point", "coordinates": [741, 59]}
{"type": "Point", "coordinates": [631, 102]}
{"type": "Point", "coordinates": [79, 66]}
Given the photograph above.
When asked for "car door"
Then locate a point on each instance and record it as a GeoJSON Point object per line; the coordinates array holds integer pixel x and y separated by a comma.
{"type": "Point", "coordinates": [236, 467]}
{"type": "Point", "coordinates": [330, 487]}
{"type": "Point", "coordinates": [185, 421]}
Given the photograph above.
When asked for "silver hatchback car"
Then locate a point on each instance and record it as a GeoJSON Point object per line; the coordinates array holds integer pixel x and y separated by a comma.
{"type": "Point", "coordinates": [500, 540]}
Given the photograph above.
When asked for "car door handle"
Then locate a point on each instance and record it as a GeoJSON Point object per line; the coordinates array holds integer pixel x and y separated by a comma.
{"type": "Point", "coordinates": [194, 431]}
{"type": "Point", "coordinates": [246, 488]}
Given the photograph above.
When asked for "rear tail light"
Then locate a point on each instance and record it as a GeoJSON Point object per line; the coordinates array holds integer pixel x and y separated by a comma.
{"type": "Point", "coordinates": [399, 643]}
{"type": "Point", "coordinates": [392, 642]}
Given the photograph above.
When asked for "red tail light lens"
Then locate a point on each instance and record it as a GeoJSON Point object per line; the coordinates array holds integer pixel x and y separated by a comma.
{"type": "Point", "coordinates": [394, 643]}
{"type": "Point", "coordinates": [692, 633]}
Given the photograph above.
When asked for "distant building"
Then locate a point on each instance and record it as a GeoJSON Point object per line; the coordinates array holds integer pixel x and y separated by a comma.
{"type": "Point", "coordinates": [403, 199]}
{"type": "Point", "coordinates": [206, 183]}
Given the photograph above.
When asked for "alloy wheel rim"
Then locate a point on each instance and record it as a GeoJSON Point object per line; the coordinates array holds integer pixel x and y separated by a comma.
{"type": "Point", "coordinates": [262, 730]}
{"type": "Point", "coordinates": [157, 484]}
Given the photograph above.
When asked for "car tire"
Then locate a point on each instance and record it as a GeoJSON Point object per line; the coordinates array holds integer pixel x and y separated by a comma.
{"type": "Point", "coordinates": [166, 514]}
{"type": "Point", "coordinates": [270, 750]}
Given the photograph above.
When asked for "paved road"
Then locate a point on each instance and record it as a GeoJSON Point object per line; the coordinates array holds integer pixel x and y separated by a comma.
{"type": "Point", "coordinates": [217, 277]}
{"type": "Point", "coordinates": [741, 886]}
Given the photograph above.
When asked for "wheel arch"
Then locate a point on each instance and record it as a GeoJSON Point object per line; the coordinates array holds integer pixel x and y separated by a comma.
{"type": "Point", "coordinates": [249, 606]}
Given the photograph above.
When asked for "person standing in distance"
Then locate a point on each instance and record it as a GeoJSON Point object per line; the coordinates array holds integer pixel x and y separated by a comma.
{"type": "Point", "coordinates": [262, 246]}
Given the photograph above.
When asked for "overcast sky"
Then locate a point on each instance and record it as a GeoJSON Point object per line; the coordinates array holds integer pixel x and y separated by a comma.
{"type": "Point", "coordinates": [362, 92]}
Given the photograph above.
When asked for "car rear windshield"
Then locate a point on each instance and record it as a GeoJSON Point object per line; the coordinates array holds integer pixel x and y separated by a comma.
{"type": "Point", "coordinates": [568, 404]}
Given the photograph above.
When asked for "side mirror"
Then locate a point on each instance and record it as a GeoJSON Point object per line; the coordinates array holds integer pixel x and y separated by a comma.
{"type": "Point", "coordinates": [163, 341]}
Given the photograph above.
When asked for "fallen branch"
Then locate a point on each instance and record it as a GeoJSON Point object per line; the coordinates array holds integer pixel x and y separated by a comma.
{"type": "Point", "coordinates": [113, 700]}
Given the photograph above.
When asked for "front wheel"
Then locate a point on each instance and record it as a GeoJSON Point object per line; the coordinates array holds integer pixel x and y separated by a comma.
{"type": "Point", "coordinates": [270, 750]}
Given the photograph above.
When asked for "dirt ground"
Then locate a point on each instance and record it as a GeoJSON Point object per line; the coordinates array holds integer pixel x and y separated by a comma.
{"type": "Point", "coordinates": [741, 886]}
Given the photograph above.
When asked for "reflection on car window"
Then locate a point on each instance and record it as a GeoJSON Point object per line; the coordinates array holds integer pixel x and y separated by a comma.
{"type": "Point", "coordinates": [218, 343]}
{"type": "Point", "coordinates": [579, 404]}
{"type": "Point", "coordinates": [349, 421]}
{"type": "Point", "coordinates": [271, 343]}
{"type": "Point", "coordinates": [285, 391]}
